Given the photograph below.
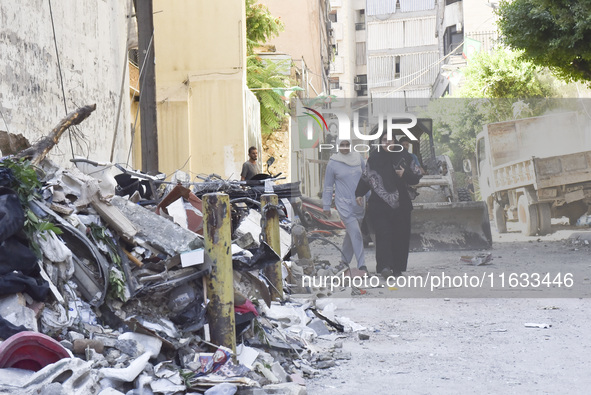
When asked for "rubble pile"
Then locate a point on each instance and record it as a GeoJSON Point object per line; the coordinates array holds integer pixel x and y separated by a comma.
{"type": "Point", "coordinates": [104, 291]}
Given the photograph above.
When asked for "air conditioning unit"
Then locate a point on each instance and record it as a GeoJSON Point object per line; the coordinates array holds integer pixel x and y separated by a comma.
{"type": "Point", "coordinates": [328, 26]}
{"type": "Point", "coordinates": [358, 87]}
{"type": "Point", "coordinates": [358, 79]}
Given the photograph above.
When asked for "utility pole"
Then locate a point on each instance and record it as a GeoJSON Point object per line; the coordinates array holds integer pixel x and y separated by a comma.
{"type": "Point", "coordinates": [149, 130]}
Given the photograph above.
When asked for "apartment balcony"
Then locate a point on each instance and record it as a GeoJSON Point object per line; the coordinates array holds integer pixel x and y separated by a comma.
{"type": "Point", "coordinates": [337, 31]}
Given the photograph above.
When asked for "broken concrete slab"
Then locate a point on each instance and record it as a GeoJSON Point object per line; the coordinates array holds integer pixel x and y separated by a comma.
{"type": "Point", "coordinates": [284, 389]}
{"type": "Point", "coordinates": [157, 230]}
{"type": "Point", "coordinates": [75, 375]}
{"type": "Point", "coordinates": [13, 308]}
{"type": "Point", "coordinates": [279, 372]}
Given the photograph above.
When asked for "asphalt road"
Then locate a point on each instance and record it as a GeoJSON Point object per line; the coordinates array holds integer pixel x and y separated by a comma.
{"type": "Point", "coordinates": [459, 338]}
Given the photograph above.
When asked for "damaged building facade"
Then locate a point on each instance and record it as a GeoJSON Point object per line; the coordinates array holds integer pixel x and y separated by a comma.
{"type": "Point", "coordinates": [108, 283]}
{"type": "Point", "coordinates": [80, 44]}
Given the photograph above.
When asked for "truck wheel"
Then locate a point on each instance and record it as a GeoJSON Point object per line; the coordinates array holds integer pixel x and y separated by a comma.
{"type": "Point", "coordinates": [499, 216]}
{"type": "Point", "coordinates": [464, 195]}
{"type": "Point", "coordinates": [528, 216]}
{"type": "Point", "coordinates": [544, 218]}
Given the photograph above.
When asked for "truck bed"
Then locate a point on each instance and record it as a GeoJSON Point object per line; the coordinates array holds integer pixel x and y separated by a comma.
{"type": "Point", "coordinates": [544, 172]}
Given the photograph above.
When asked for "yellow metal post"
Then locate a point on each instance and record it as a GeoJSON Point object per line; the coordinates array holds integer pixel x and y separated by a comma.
{"type": "Point", "coordinates": [271, 218]}
{"type": "Point", "coordinates": [220, 282]}
{"type": "Point", "coordinates": [300, 241]}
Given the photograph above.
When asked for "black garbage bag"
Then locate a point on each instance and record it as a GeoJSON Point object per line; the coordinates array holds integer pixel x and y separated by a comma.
{"type": "Point", "coordinates": [192, 318]}
{"type": "Point", "coordinates": [13, 283]}
{"type": "Point", "coordinates": [8, 329]}
{"type": "Point", "coordinates": [14, 253]}
{"type": "Point", "coordinates": [6, 177]}
{"type": "Point", "coordinates": [12, 215]}
{"type": "Point", "coordinates": [261, 257]}
{"type": "Point", "coordinates": [127, 185]}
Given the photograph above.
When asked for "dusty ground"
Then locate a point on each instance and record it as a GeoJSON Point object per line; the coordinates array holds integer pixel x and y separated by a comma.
{"type": "Point", "coordinates": [452, 340]}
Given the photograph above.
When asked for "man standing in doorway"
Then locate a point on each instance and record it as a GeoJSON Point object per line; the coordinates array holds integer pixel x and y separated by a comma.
{"type": "Point", "coordinates": [251, 167]}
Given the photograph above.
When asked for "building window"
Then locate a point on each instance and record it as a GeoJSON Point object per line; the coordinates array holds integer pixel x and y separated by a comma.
{"type": "Point", "coordinates": [397, 67]}
{"type": "Point", "coordinates": [448, 2]}
{"type": "Point", "coordinates": [361, 84]}
{"type": "Point", "coordinates": [334, 83]}
{"type": "Point", "coordinates": [332, 17]}
{"type": "Point", "coordinates": [335, 49]}
{"type": "Point", "coordinates": [451, 40]}
{"type": "Point", "coordinates": [360, 20]}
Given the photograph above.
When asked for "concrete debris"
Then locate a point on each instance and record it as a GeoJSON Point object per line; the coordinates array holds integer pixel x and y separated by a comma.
{"type": "Point", "coordinates": [539, 326]}
{"type": "Point", "coordinates": [480, 259]}
{"type": "Point", "coordinates": [129, 373]}
{"type": "Point", "coordinates": [156, 230]}
{"type": "Point", "coordinates": [148, 343]}
{"type": "Point", "coordinates": [121, 289]}
{"type": "Point", "coordinates": [80, 345]}
{"type": "Point", "coordinates": [222, 389]}
{"type": "Point", "coordinates": [363, 336]}
{"type": "Point", "coordinates": [13, 308]}
{"type": "Point", "coordinates": [74, 375]}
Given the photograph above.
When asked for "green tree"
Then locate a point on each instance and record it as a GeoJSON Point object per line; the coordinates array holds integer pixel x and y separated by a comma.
{"type": "Point", "coordinates": [503, 74]}
{"type": "Point", "coordinates": [497, 86]}
{"type": "Point", "coordinates": [265, 77]}
{"type": "Point", "coordinates": [552, 33]}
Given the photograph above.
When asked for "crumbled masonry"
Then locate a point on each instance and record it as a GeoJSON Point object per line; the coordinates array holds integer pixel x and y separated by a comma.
{"type": "Point", "coordinates": [115, 283]}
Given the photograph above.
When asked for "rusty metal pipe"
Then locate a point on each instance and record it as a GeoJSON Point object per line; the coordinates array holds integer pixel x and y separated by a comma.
{"type": "Point", "coordinates": [218, 254]}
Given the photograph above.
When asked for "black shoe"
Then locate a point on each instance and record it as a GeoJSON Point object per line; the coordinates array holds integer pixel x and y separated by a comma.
{"type": "Point", "coordinates": [386, 273]}
{"type": "Point", "coordinates": [364, 268]}
{"type": "Point", "coordinates": [397, 274]}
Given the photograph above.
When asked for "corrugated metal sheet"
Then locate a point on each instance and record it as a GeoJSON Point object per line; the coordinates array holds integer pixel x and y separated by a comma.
{"type": "Point", "coordinates": [398, 101]}
{"type": "Point", "coordinates": [385, 35]}
{"type": "Point", "coordinates": [416, 5]}
{"type": "Point", "coordinates": [380, 7]}
{"type": "Point", "coordinates": [401, 33]}
{"type": "Point", "coordinates": [389, 102]}
{"type": "Point", "coordinates": [417, 97]}
{"type": "Point", "coordinates": [415, 69]}
{"type": "Point", "coordinates": [419, 32]}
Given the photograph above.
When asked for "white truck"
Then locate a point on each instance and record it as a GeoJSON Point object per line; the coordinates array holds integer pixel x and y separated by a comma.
{"type": "Point", "coordinates": [534, 169]}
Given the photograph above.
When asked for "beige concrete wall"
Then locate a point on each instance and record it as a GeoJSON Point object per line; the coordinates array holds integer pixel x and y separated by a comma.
{"type": "Point", "coordinates": [302, 35]}
{"type": "Point", "coordinates": [200, 79]}
{"type": "Point", "coordinates": [91, 39]}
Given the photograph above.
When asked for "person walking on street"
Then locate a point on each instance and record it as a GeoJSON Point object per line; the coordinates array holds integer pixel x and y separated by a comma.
{"type": "Point", "coordinates": [388, 173]}
{"type": "Point", "coordinates": [343, 172]}
{"type": "Point", "coordinates": [251, 167]}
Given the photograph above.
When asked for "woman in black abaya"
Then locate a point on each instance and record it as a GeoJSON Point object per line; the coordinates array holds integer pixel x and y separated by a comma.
{"type": "Point", "coordinates": [388, 172]}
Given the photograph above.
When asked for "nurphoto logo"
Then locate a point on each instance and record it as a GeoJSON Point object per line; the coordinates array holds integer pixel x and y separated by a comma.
{"type": "Point", "coordinates": [392, 122]}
